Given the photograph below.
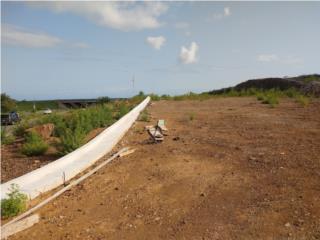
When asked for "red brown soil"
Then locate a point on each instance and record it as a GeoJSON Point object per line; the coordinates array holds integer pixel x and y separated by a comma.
{"type": "Point", "coordinates": [238, 170]}
{"type": "Point", "coordinates": [15, 164]}
{"type": "Point", "coordinates": [44, 130]}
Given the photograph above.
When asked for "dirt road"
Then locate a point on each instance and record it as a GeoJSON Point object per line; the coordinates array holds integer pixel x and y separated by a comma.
{"type": "Point", "coordinates": [231, 168]}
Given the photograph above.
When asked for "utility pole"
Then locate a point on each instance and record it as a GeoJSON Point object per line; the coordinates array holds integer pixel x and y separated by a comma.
{"type": "Point", "coordinates": [133, 82]}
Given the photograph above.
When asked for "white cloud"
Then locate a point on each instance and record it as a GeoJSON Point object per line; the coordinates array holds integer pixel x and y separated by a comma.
{"type": "Point", "coordinates": [126, 16]}
{"type": "Point", "coordinates": [156, 42]}
{"type": "Point", "coordinates": [13, 35]}
{"type": "Point", "coordinates": [268, 57]}
{"type": "Point", "coordinates": [189, 55]}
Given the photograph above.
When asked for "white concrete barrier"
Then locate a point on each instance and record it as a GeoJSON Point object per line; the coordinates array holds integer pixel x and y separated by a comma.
{"type": "Point", "coordinates": [55, 173]}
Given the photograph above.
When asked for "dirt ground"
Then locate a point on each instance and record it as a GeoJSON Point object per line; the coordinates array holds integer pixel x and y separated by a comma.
{"type": "Point", "coordinates": [15, 164]}
{"type": "Point", "coordinates": [231, 168]}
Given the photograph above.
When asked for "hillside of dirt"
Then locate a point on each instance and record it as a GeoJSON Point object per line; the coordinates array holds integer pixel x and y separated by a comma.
{"type": "Point", "coordinates": [307, 84]}
{"type": "Point", "coordinates": [230, 168]}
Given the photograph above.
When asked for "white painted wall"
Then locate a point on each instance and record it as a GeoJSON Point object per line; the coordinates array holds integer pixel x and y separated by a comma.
{"type": "Point", "coordinates": [51, 175]}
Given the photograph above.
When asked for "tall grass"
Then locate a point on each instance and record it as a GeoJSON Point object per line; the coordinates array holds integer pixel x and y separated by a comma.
{"type": "Point", "coordinates": [34, 145]}
{"type": "Point", "coordinates": [303, 100]}
{"type": "Point", "coordinates": [15, 203]}
{"type": "Point", "coordinates": [73, 127]}
{"type": "Point", "coordinates": [5, 137]}
{"type": "Point", "coordinates": [144, 116]}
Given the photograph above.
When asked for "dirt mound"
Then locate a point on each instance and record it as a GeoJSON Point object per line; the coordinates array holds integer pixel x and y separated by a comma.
{"type": "Point", "coordinates": [269, 83]}
{"type": "Point", "coordinates": [45, 130]}
{"type": "Point", "coordinates": [307, 84]}
{"type": "Point", "coordinates": [312, 88]}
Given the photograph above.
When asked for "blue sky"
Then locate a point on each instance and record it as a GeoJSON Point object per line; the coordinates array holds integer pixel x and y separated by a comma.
{"type": "Point", "coordinates": [54, 50]}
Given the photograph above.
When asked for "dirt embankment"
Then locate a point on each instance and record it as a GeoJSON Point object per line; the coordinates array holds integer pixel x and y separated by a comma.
{"type": "Point", "coordinates": [306, 84]}
{"type": "Point", "coordinates": [231, 168]}
{"type": "Point", "coordinates": [15, 164]}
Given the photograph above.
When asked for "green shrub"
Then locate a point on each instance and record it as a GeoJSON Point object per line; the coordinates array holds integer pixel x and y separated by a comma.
{"type": "Point", "coordinates": [304, 101]}
{"type": "Point", "coordinates": [72, 129]}
{"type": "Point", "coordinates": [166, 97]}
{"type": "Point", "coordinates": [103, 100]}
{"type": "Point", "coordinates": [155, 97]}
{"type": "Point", "coordinates": [34, 145]}
{"type": "Point", "coordinates": [144, 117]}
{"type": "Point", "coordinates": [5, 138]}
{"type": "Point", "coordinates": [15, 204]}
{"type": "Point", "coordinates": [260, 96]}
{"type": "Point", "coordinates": [270, 99]}
{"type": "Point", "coordinates": [71, 140]}
{"type": "Point", "coordinates": [19, 130]}
{"type": "Point", "coordinates": [123, 110]}
{"type": "Point", "coordinates": [7, 103]}
{"type": "Point", "coordinates": [291, 92]}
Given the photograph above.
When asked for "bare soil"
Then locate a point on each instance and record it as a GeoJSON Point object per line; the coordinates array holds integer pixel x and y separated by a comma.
{"type": "Point", "coordinates": [231, 168]}
{"type": "Point", "coordinates": [15, 164]}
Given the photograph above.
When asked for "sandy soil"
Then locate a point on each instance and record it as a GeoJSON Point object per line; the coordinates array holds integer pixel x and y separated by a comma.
{"type": "Point", "coordinates": [231, 168]}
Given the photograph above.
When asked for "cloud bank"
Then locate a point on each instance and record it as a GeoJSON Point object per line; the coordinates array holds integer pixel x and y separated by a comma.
{"type": "Point", "coordinates": [125, 16]}
{"type": "Point", "coordinates": [188, 56]}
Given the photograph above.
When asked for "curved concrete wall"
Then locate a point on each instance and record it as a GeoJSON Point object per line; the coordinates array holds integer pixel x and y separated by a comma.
{"type": "Point", "coordinates": [53, 174]}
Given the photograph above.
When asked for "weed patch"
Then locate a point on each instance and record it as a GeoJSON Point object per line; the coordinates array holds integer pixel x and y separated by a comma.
{"type": "Point", "coordinates": [144, 116]}
{"type": "Point", "coordinates": [34, 145]}
{"type": "Point", "coordinates": [304, 101]}
{"type": "Point", "coordinates": [5, 137]}
{"type": "Point", "coordinates": [14, 204]}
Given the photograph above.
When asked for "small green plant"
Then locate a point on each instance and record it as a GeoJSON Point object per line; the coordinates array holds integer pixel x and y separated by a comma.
{"type": "Point", "coordinates": [260, 97]}
{"type": "Point", "coordinates": [103, 100]}
{"type": "Point", "coordinates": [155, 97]}
{"type": "Point", "coordinates": [166, 97]}
{"type": "Point", "coordinates": [71, 140]}
{"type": "Point", "coordinates": [5, 137]}
{"type": "Point", "coordinates": [34, 145]}
{"type": "Point", "coordinates": [19, 130]}
{"type": "Point", "coordinates": [144, 117]}
{"type": "Point", "coordinates": [268, 97]}
{"type": "Point", "coordinates": [291, 92]}
{"type": "Point", "coordinates": [123, 110]}
{"type": "Point", "coordinates": [304, 101]}
{"type": "Point", "coordinates": [272, 100]}
{"type": "Point", "coordinates": [14, 204]}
